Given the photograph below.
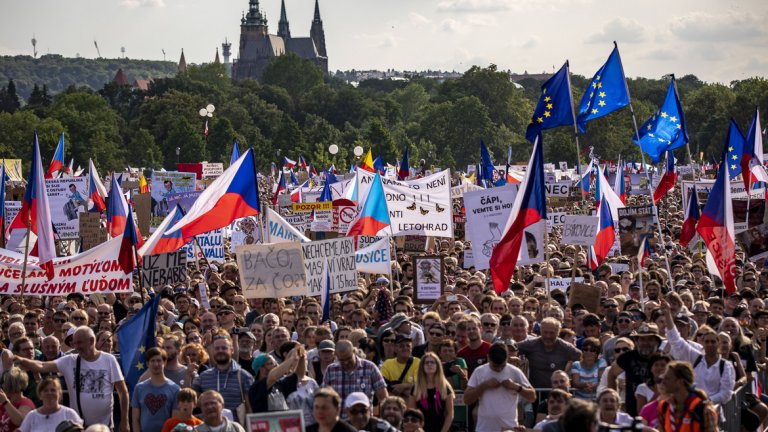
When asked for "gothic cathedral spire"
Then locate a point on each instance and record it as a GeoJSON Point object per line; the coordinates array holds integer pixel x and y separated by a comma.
{"type": "Point", "coordinates": [317, 33]}
{"type": "Point", "coordinates": [283, 29]}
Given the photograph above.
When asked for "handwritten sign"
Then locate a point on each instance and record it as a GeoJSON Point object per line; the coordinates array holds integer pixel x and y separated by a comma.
{"type": "Point", "coordinates": [340, 253]}
{"type": "Point", "coordinates": [580, 230]}
{"type": "Point", "coordinates": [272, 270]}
{"type": "Point", "coordinates": [164, 269]}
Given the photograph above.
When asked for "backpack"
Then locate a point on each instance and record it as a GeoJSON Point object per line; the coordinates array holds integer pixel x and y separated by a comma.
{"type": "Point", "coordinates": [701, 357]}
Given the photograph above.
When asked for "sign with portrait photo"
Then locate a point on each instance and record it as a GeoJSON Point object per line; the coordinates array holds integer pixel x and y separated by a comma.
{"type": "Point", "coordinates": [428, 278]}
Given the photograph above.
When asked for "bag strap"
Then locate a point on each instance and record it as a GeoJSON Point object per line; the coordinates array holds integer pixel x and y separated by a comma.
{"type": "Point", "coordinates": [77, 387]}
{"type": "Point", "coordinates": [698, 360]}
{"type": "Point", "coordinates": [242, 394]}
{"type": "Point", "coordinates": [405, 369]}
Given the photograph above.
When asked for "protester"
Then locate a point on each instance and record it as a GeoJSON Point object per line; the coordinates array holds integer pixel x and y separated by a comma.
{"type": "Point", "coordinates": [153, 400]}
{"type": "Point", "coordinates": [50, 414]}
{"type": "Point", "coordinates": [358, 408]}
{"type": "Point", "coordinates": [326, 409]}
{"type": "Point", "coordinates": [211, 406]}
{"type": "Point", "coordinates": [14, 406]}
{"type": "Point", "coordinates": [186, 401]}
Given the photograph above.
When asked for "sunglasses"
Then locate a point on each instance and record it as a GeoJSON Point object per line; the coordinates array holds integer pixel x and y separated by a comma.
{"type": "Point", "coordinates": [750, 280]}
{"type": "Point", "coordinates": [437, 334]}
{"type": "Point", "coordinates": [592, 350]}
{"type": "Point", "coordinates": [78, 318]}
{"type": "Point", "coordinates": [620, 350]}
{"type": "Point", "coordinates": [487, 324]}
{"type": "Point", "coordinates": [411, 420]}
{"type": "Point", "coordinates": [451, 333]}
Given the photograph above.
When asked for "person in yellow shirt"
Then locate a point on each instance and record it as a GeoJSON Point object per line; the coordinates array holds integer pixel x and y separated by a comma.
{"type": "Point", "coordinates": [400, 372]}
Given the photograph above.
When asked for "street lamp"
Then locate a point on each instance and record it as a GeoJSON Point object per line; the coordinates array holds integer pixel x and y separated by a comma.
{"type": "Point", "coordinates": [206, 113]}
{"type": "Point", "coordinates": [358, 151]}
{"type": "Point", "coordinates": [178, 152]}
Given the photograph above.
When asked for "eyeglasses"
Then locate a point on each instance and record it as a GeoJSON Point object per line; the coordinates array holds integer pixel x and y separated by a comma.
{"type": "Point", "coordinates": [489, 324]}
{"type": "Point", "coordinates": [451, 333]}
{"type": "Point", "coordinates": [60, 320]}
{"type": "Point", "coordinates": [750, 280]}
{"type": "Point", "coordinates": [611, 305]}
{"type": "Point", "coordinates": [624, 321]}
{"type": "Point", "coordinates": [590, 349]}
{"type": "Point", "coordinates": [436, 334]}
{"type": "Point", "coordinates": [411, 420]}
{"type": "Point", "coordinates": [620, 350]}
{"type": "Point", "coordinates": [77, 318]}
{"type": "Point", "coordinates": [505, 323]}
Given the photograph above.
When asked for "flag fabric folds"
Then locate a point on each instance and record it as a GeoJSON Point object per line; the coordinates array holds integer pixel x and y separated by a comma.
{"type": "Point", "coordinates": [374, 217]}
{"type": "Point", "coordinates": [606, 232]}
{"type": "Point", "coordinates": [378, 166]}
{"type": "Point", "coordinates": [325, 297]}
{"type": "Point", "coordinates": [668, 180]}
{"type": "Point", "coordinates": [665, 130]}
{"type": "Point", "coordinates": [233, 195]}
{"type": "Point", "coordinates": [57, 163]}
{"type": "Point", "coordinates": [607, 92]}
{"type": "Point", "coordinates": [405, 170]}
{"type": "Point", "coordinates": [235, 152]}
{"type": "Point", "coordinates": [288, 163]}
{"type": "Point", "coordinates": [619, 183]}
{"type": "Point", "coordinates": [692, 216]}
{"type": "Point", "coordinates": [644, 251]}
{"type": "Point", "coordinates": [717, 231]}
{"type": "Point", "coordinates": [96, 190]}
{"type": "Point", "coordinates": [752, 168]}
{"type": "Point", "coordinates": [302, 162]}
{"type": "Point", "coordinates": [143, 185]}
{"type": "Point", "coordinates": [586, 179]}
{"type": "Point", "coordinates": [486, 165]}
{"type": "Point", "coordinates": [126, 258]}
{"type": "Point", "coordinates": [135, 337]}
{"type": "Point", "coordinates": [528, 208]}
{"type": "Point", "coordinates": [117, 209]}
{"type": "Point", "coordinates": [367, 163]}
{"type": "Point", "coordinates": [555, 107]}
{"type": "Point", "coordinates": [735, 148]}
{"type": "Point", "coordinates": [281, 186]}
{"type": "Point", "coordinates": [163, 240]}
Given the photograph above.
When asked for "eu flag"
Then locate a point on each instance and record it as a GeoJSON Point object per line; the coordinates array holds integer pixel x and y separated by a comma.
{"type": "Point", "coordinates": [134, 338]}
{"type": "Point", "coordinates": [606, 93]}
{"type": "Point", "coordinates": [734, 150]}
{"type": "Point", "coordinates": [486, 165]}
{"type": "Point", "coordinates": [665, 130]}
{"type": "Point", "coordinates": [555, 107]}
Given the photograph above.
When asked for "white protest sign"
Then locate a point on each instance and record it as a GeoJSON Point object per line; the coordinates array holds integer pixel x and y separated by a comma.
{"type": "Point", "coordinates": [558, 189]}
{"type": "Point", "coordinates": [617, 268]}
{"type": "Point", "coordinates": [487, 213]}
{"type": "Point", "coordinates": [563, 283]}
{"type": "Point", "coordinates": [280, 230]}
{"type": "Point", "coordinates": [563, 166]}
{"type": "Point", "coordinates": [272, 270]}
{"type": "Point", "coordinates": [164, 269]}
{"type": "Point", "coordinates": [374, 258]}
{"type": "Point", "coordinates": [342, 217]}
{"type": "Point", "coordinates": [364, 241]}
{"type": "Point", "coordinates": [532, 250]}
{"type": "Point", "coordinates": [419, 207]}
{"type": "Point", "coordinates": [212, 170]}
{"type": "Point", "coordinates": [67, 197]}
{"type": "Point", "coordinates": [12, 208]}
{"type": "Point", "coordinates": [555, 219]}
{"type": "Point", "coordinates": [469, 259]}
{"type": "Point", "coordinates": [340, 253]}
{"type": "Point", "coordinates": [245, 231]}
{"type": "Point", "coordinates": [580, 230]}
{"type": "Point", "coordinates": [209, 245]}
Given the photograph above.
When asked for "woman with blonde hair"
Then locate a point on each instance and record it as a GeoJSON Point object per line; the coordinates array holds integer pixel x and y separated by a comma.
{"type": "Point", "coordinates": [13, 405]}
{"type": "Point", "coordinates": [50, 414]}
{"type": "Point", "coordinates": [433, 395]}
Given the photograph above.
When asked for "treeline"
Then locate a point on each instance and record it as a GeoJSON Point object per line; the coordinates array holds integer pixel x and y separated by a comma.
{"type": "Point", "coordinates": [295, 109]}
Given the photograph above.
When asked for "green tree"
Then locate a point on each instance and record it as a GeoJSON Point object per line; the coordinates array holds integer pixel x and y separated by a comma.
{"type": "Point", "coordinates": [292, 73]}
{"type": "Point", "coordinates": [9, 100]}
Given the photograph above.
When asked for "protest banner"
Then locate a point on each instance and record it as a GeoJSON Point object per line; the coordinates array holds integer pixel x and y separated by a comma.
{"type": "Point", "coordinates": [16, 240]}
{"type": "Point", "coordinates": [164, 269]}
{"type": "Point", "coordinates": [184, 199]}
{"type": "Point", "coordinates": [12, 169]}
{"type": "Point", "coordinates": [245, 231]}
{"type": "Point", "coordinates": [67, 198]}
{"type": "Point", "coordinates": [272, 270]}
{"type": "Point", "coordinates": [340, 253]}
{"type": "Point", "coordinates": [12, 208]}
{"type": "Point", "coordinates": [276, 421]}
{"type": "Point", "coordinates": [469, 259]}
{"type": "Point", "coordinates": [209, 245]}
{"type": "Point", "coordinates": [555, 219]}
{"type": "Point", "coordinates": [428, 278]}
{"type": "Point", "coordinates": [365, 241]}
{"type": "Point", "coordinates": [533, 250]}
{"type": "Point", "coordinates": [164, 185]}
{"type": "Point", "coordinates": [562, 283]}
{"type": "Point", "coordinates": [412, 243]}
{"type": "Point", "coordinates": [340, 188]}
{"type": "Point", "coordinates": [587, 295]}
{"type": "Point", "coordinates": [558, 189]}
{"type": "Point", "coordinates": [421, 206]}
{"type": "Point", "coordinates": [212, 169]}
{"type": "Point", "coordinates": [635, 183]}
{"type": "Point", "coordinates": [635, 223]}
{"type": "Point", "coordinates": [307, 207]}
{"type": "Point", "coordinates": [757, 214]}
{"type": "Point", "coordinates": [580, 230]}
{"type": "Point", "coordinates": [487, 214]}
{"type": "Point", "coordinates": [754, 242]}
{"type": "Point", "coordinates": [618, 268]}
{"type": "Point", "coordinates": [280, 230]}
{"type": "Point", "coordinates": [374, 258]}
{"type": "Point", "coordinates": [93, 271]}
{"type": "Point", "coordinates": [343, 215]}
{"type": "Point", "coordinates": [92, 233]}
{"type": "Point", "coordinates": [704, 187]}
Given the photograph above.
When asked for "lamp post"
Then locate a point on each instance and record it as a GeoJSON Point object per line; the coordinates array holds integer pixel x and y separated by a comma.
{"type": "Point", "coordinates": [178, 152]}
{"type": "Point", "coordinates": [206, 113]}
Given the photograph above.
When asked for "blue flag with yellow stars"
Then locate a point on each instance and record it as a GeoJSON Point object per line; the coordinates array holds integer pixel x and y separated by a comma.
{"type": "Point", "coordinates": [665, 130]}
{"type": "Point", "coordinates": [555, 107]}
{"type": "Point", "coordinates": [606, 93]}
{"type": "Point", "coordinates": [734, 150]}
{"type": "Point", "coordinates": [134, 338]}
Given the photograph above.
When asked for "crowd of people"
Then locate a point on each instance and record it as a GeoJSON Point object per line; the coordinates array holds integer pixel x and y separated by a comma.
{"type": "Point", "coordinates": [666, 344]}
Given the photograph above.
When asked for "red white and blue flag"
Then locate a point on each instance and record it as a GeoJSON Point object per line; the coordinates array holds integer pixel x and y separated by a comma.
{"type": "Point", "coordinates": [288, 163]}
{"type": "Point", "coordinates": [667, 182]}
{"type": "Point", "coordinates": [163, 240]}
{"type": "Point", "coordinates": [281, 186]}
{"type": "Point", "coordinates": [586, 179]}
{"type": "Point", "coordinates": [302, 162]}
{"type": "Point", "coordinates": [97, 193]}
{"type": "Point", "coordinates": [618, 185]}
{"type": "Point", "coordinates": [530, 207]}
{"type": "Point", "coordinates": [752, 168]}
{"type": "Point", "coordinates": [644, 251]}
{"type": "Point", "coordinates": [117, 209]}
{"type": "Point", "coordinates": [57, 163]}
{"type": "Point", "coordinates": [606, 232]}
{"type": "Point", "coordinates": [716, 228]}
{"type": "Point", "coordinates": [374, 217]}
{"type": "Point", "coordinates": [233, 195]}
{"type": "Point", "coordinates": [692, 216]}
{"type": "Point", "coordinates": [35, 214]}
{"type": "Point", "coordinates": [404, 170]}
{"type": "Point", "coordinates": [126, 258]}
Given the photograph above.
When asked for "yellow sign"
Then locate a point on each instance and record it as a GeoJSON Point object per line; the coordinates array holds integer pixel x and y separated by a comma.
{"type": "Point", "coordinates": [308, 207]}
{"type": "Point", "coordinates": [12, 169]}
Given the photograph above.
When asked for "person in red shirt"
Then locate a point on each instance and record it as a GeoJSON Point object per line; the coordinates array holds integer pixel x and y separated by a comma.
{"type": "Point", "coordinates": [476, 352]}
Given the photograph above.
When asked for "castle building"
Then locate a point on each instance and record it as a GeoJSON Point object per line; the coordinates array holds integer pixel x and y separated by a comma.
{"type": "Point", "coordinates": [258, 47]}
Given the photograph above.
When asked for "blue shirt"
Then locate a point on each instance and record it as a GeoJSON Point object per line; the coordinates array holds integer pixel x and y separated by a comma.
{"type": "Point", "coordinates": [156, 403]}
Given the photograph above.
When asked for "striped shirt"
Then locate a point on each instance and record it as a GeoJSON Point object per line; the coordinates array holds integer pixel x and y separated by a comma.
{"type": "Point", "coordinates": [225, 383]}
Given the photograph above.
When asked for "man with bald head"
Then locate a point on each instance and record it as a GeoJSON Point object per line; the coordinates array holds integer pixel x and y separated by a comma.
{"type": "Point", "coordinates": [92, 376]}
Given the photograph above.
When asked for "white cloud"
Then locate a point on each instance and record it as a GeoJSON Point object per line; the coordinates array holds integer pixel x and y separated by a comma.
{"type": "Point", "coordinates": [506, 5]}
{"type": "Point", "coordinates": [661, 54]}
{"type": "Point", "coordinates": [379, 40]}
{"type": "Point", "coordinates": [466, 25]}
{"type": "Point", "coordinates": [450, 25]}
{"type": "Point", "coordinates": [418, 19]}
{"type": "Point", "coordinates": [531, 41]}
{"type": "Point", "coordinates": [145, 3]}
{"type": "Point", "coordinates": [619, 29]}
{"type": "Point", "coordinates": [725, 27]}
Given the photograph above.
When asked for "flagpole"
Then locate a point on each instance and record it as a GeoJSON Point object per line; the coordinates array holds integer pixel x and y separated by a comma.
{"type": "Point", "coordinates": [575, 127]}
{"type": "Point", "coordinates": [138, 267]}
{"type": "Point", "coordinates": [26, 258]}
{"type": "Point", "coordinates": [687, 145]}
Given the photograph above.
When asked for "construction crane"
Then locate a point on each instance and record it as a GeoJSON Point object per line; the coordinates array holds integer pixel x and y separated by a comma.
{"type": "Point", "coordinates": [96, 44]}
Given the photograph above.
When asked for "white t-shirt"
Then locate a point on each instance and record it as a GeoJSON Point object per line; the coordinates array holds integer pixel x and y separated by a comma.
{"type": "Point", "coordinates": [36, 422]}
{"type": "Point", "coordinates": [97, 382]}
{"type": "Point", "coordinates": [497, 407]}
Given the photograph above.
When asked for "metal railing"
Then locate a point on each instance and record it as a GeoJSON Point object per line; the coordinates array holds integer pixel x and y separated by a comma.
{"type": "Point", "coordinates": [730, 412]}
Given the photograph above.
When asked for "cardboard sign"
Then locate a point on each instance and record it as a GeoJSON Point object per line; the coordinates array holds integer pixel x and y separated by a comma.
{"type": "Point", "coordinates": [340, 253]}
{"type": "Point", "coordinates": [428, 278]}
{"type": "Point", "coordinates": [469, 259]}
{"type": "Point", "coordinates": [92, 233]}
{"type": "Point", "coordinates": [587, 295]}
{"type": "Point", "coordinates": [414, 243]}
{"type": "Point", "coordinates": [142, 207]}
{"type": "Point", "coordinates": [164, 269]}
{"type": "Point", "coordinates": [374, 258]}
{"type": "Point", "coordinates": [185, 200]}
{"type": "Point", "coordinates": [67, 197]}
{"type": "Point", "coordinates": [272, 270]}
{"type": "Point", "coordinates": [558, 189]}
{"type": "Point", "coordinates": [212, 170]}
{"type": "Point", "coordinates": [164, 185]}
{"type": "Point", "coordinates": [245, 231]}
{"type": "Point", "coordinates": [635, 223]}
{"type": "Point", "coordinates": [580, 230]}
{"type": "Point", "coordinates": [555, 219]}
{"type": "Point", "coordinates": [309, 206]}
{"type": "Point", "coordinates": [342, 217]}
{"type": "Point", "coordinates": [532, 250]}
{"type": "Point", "coordinates": [276, 421]}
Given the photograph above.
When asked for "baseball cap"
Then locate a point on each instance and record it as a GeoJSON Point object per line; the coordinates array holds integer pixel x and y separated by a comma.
{"type": "Point", "coordinates": [357, 398]}
{"type": "Point", "coordinates": [402, 338]}
{"type": "Point", "coordinates": [225, 309]}
{"type": "Point", "coordinates": [326, 345]}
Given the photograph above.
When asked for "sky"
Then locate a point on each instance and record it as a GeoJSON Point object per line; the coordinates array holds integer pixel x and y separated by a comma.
{"type": "Point", "coordinates": [716, 40]}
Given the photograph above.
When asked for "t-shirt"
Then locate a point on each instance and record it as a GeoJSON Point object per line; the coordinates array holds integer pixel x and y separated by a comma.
{"type": "Point", "coordinates": [474, 357]}
{"type": "Point", "coordinates": [36, 422]}
{"type": "Point", "coordinates": [638, 370]}
{"type": "Point", "coordinates": [173, 421]}
{"type": "Point", "coordinates": [543, 362]}
{"type": "Point", "coordinates": [590, 375]}
{"type": "Point", "coordinates": [155, 402]}
{"type": "Point", "coordinates": [97, 381]}
{"type": "Point", "coordinates": [6, 425]}
{"type": "Point", "coordinates": [340, 426]}
{"type": "Point", "coordinates": [392, 369]}
{"type": "Point", "coordinates": [497, 408]}
{"type": "Point", "coordinates": [177, 375]}
{"type": "Point", "coordinates": [258, 395]}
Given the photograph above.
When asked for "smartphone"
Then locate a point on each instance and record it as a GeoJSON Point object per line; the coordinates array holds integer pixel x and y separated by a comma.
{"type": "Point", "coordinates": [452, 298]}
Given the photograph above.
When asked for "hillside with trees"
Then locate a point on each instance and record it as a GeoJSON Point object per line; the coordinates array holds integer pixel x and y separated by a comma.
{"type": "Point", "coordinates": [295, 109]}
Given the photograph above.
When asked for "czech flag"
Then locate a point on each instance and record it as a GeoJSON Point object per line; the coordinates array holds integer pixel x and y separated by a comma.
{"type": "Point", "coordinates": [297, 195]}
{"type": "Point", "coordinates": [302, 162]}
{"type": "Point", "coordinates": [604, 192]}
{"type": "Point", "coordinates": [143, 185]}
{"type": "Point", "coordinates": [117, 209]}
{"type": "Point", "coordinates": [368, 162]}
{"type": "Point", "coordinates": [281, 186]}
{"type": "Point", "coordinates": [272, 169]}
{"type": "Point", "coordinates": [35, 213]}
{"type": "Point", "coordinates": [288, 163]}
{"type": "Point", "coordinates": [752, 168]}
{"type": "Point", "coordinates": [692, 216]}
{"type": "Point", "coordinates": [586, 179]}
{"type": "Point", "coordinates": [233, 195]}
{"type": "Point", "coordinates": [716, 228]}
{"type": "Point", "coordinates": [606, 232]}
{"type": "Point", "coordinates": [312, 171]}
{"type": "Point", "coordinates": [374, 217]}
{"type": "Point", "coordinates": [325, 296]}
{"type": "Point", "coordinates": [57, 163]}
{"type": "Point", "coordinates": [294, 180]}
{"type": "Point", "coordinates": [70, 168]}
{"type": "Point", "coordinates": [644, 251]}
{"type": "Point", "coordinates": [529, 208]}
{"type": "Point", "coordinates": [96, 190]}
{"type": "Point", "coordinates": [126, 257]}
{"type": "Point", "coordinates": [618, 184]}
{"type": "Point", "coordinates": [667, 182]}
{"type": "Point", "coordinates": [405, 170]}
{"type": "Point", "coordinates": [162, 240]}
